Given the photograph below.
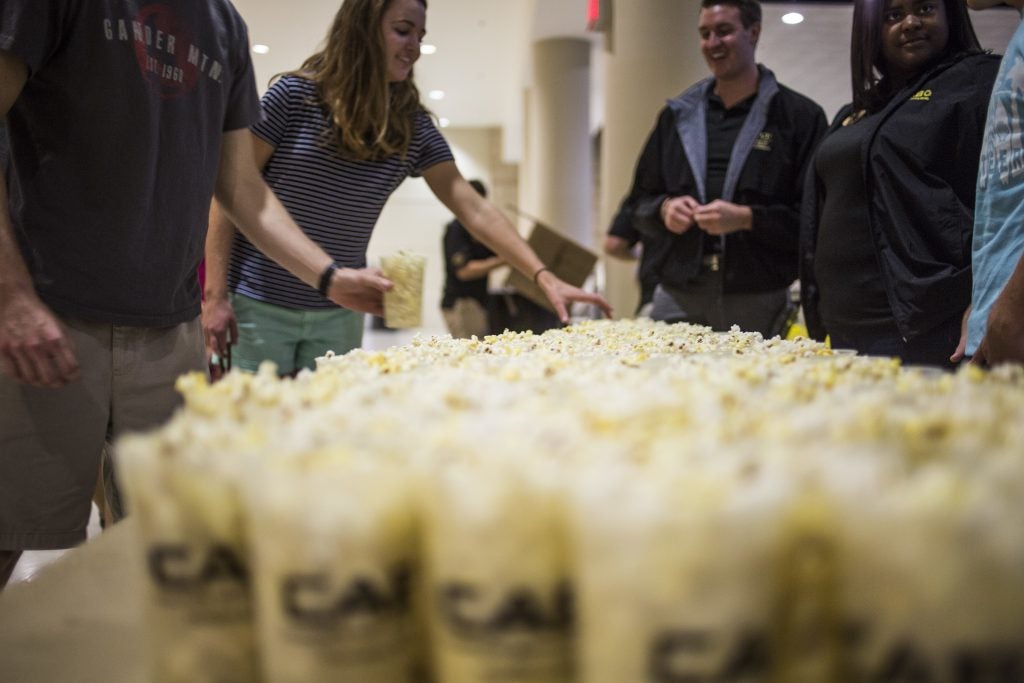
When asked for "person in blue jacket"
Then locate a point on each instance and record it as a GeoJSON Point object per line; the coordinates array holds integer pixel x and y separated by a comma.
{"type": "Point", "coordinates": [889, 206]}
{"type": "Point", "coordinates": [995, 327]}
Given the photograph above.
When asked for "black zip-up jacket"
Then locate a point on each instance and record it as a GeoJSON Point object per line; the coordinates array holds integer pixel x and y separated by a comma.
{"type": "Point", "coordinates": [920, 165]}
{"type": "Point", "coordinates": [765, 173]}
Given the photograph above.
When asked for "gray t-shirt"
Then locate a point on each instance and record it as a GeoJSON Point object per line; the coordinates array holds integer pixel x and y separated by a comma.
{"type": "Point", "coordinates": [115, 143]}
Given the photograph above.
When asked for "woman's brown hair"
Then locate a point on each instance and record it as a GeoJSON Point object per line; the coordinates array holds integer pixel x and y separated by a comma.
{"type": "Point", "coordinates": [372, 118]}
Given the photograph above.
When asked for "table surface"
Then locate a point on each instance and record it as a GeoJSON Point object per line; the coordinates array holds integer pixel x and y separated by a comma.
{"type": "Point", "coordinates": [81, 619]}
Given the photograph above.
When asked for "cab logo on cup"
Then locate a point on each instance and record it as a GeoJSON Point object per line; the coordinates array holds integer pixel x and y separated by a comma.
{"type": "Point", "coordinates": [764, 141]}
{"type": "Point", "coordinates": [471, 615]}
{"type": "Point", "coordinates": [699, 654]}
{"type": "Point", "coordinates": [316, 600]}
{"type": "Point", "coordinates": [922, 96]}
{"type": "Point", "coordinates": [182, 567]}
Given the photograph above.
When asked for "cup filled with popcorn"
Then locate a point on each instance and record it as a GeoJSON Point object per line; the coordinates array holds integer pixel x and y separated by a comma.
{"type": "Point", "coordinates": [403, 305]}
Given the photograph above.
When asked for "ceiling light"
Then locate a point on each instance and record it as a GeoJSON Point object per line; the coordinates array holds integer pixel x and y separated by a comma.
{"type": "Point", "coordinates": [436, 94]}
{"type": "Point", "coordinates": [443, 122]}
{"type": "Point", "coordinates": [260, 49]}
{"type": "Point", "coordinates": [427, 49]}
{"type": "Point", "coordinates": [792, 18]}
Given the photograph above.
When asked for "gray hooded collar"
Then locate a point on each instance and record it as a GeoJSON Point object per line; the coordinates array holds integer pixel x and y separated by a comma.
{"type": "Point", "coordinates": [691, 125]}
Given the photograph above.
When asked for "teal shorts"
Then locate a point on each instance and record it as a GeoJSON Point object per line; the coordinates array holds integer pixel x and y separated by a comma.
{"type": "Point", "coordinates": [291, 337]}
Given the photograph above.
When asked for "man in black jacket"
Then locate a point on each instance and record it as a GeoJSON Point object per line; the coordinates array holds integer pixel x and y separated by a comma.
{"type": "Point", "coordinates": [719, 181]}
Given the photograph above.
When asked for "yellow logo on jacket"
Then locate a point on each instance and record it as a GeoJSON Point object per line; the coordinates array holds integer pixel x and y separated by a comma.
{"type": "Point", "coordinates": [922, 96]}
{"type": "Point", "coordinates": [764, 141]}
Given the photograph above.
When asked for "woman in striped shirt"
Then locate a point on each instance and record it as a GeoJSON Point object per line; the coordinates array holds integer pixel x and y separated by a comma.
{"type": "Point", "coordinates": [337, 138]}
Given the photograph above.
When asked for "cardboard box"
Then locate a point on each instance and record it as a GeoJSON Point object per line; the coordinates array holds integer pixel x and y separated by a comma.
{"type": "Point", "coordinates": [569, 260]}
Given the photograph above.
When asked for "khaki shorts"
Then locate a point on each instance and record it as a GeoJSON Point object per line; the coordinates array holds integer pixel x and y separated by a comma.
{"type": "Point", "coordinates": [466, 318]}
{"type": "Point", "coordinates": [51, 439]}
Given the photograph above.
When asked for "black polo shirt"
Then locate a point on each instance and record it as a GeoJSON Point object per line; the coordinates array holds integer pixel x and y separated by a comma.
{"type": "Point", "coordinates": [459, 249]}
{"type": "Point", "coordinates": [723, 127]}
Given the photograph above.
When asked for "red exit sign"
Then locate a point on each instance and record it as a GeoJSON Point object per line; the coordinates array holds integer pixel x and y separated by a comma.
{"type": "Point", "coordinates": [598, 12]}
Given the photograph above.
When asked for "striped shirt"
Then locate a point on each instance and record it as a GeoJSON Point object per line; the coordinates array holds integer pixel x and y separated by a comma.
{"type": "Point", "coordinates": [335, 201]}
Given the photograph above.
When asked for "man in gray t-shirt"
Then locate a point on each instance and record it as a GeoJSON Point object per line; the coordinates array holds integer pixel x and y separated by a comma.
{"type": "Point", "coordinates": [123, 118]}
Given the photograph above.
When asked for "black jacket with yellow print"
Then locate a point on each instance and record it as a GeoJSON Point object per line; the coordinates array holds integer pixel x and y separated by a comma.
{"type": "Point", "coordinates": [765, 172]}
{"type": "Point", "coordinates": [920, 165]}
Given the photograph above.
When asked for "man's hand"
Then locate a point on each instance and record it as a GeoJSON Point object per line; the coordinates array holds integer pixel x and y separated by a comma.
{"type": "Point", "coordinates": [961, 347]}
{"type": "Point", "coordinates": [1004, 334]}
{"type": "Point", "coordinates": [360, 289]}
{"type": "Point", "coordinates": [33, 347]}
{"type": "Point", "coordinates": [618, 247]}
{"type": "Point", "coordinates": [721, 217]}
{"type": "Point", "coordinates": [220, 327]}
{"type": "Point", "coordinates": [677, 213]}
{"type": "Point", "coordinates": [561, 294]}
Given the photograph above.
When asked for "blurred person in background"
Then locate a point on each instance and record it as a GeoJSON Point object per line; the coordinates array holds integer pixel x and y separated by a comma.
{"type": "Point", "coordinates": [102, 231]}
{"type": "Point", "coordinates": [467, 263]}
{"type": "Point", "coordinates": [889, 209]}
{"type": "Point", "coordinates": [622, 242]}
{"type": "Point", "coordinates": [718, 184]}
{"type": "Point", "coordinates": [338, 136]}
{"type": "Point", "coordinates": [995, 324]}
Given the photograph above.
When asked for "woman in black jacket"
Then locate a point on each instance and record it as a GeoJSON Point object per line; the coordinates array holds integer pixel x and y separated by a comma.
{"type": "Point", "coordinates": [889, 204]}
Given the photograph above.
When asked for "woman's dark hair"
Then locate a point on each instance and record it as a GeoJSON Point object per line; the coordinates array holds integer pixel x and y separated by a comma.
{"type": "Point", "coordinates": [868, 69]}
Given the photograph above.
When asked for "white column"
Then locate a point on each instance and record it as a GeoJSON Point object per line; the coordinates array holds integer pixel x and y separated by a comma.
{"type": "Point", "coordinates": [653, 55]}
{"type": "Point", "coordinates": [559, 189]}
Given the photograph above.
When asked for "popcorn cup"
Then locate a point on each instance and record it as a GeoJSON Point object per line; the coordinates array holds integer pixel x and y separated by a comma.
{"type": "Point", "coordinates": [672, 579]}
{"type": "Point", "coordinates": [335, 566]}
{"type": "Point", "coordinates": [499, 595]}
{"type": "Point", "coordinates": [197, 602]}
{"type": "Point", "coordinates": [403, 305]}
{"type": "Point", "coordinates": [932, 582]}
